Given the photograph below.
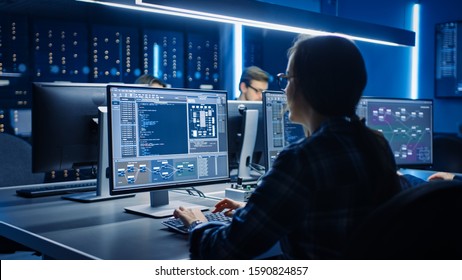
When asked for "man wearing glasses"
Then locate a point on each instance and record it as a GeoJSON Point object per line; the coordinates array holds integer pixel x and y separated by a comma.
{"type": "Point", "coordinates": [253, 82]}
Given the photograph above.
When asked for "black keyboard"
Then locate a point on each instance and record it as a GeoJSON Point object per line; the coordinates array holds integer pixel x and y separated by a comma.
{"type": "Point", "coordinates": [177, 225]}
{"type": "Point", "coordinates": [57, 188]}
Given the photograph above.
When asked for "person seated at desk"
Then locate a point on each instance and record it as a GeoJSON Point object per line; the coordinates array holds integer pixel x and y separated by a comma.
{"type": "Point", "coordinates": [320, 188]}
{"type": "Point", "coordinates": [252, 84]}
{"type": "Point", "coordinates": [150, 80]}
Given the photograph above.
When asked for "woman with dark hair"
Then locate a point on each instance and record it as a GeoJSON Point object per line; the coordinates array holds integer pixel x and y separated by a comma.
{"type": "Point", "coordinates": [319, 189]}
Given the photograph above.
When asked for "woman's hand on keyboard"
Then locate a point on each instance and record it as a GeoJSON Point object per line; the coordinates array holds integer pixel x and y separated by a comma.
{"type": "Point", "coordinates": [189, 215]}
{"type": "Point", "coordinates": [441, 176]}
{"type": "Point", "coordinates": [228, 206]}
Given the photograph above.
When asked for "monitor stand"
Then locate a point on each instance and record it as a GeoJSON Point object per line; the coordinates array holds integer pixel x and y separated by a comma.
{"type": "Point", "coordinates": [160, 206]}
{"type": "Point", "coordinates": [102, 181]}
{"type": "Point", "coordinates": [248, 145]}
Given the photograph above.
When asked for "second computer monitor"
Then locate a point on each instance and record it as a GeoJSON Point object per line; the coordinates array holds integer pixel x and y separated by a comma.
{"type": "Point", "coordinates": [165, 138]}
{"type": "Point", "coordinates": [236, 134]}
{"type": "Point", "coordinates": [64, 125]}
{"type": "Point", "coordinates": [280, 131]}
{"type": "Point", "coordinates": [407, 124]}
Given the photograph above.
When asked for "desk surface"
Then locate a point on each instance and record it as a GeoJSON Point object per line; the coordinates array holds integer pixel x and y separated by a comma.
{"type": "Point", "coordinates": [63, 229]}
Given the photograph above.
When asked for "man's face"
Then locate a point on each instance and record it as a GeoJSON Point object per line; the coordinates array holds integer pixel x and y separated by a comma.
{"type": "Point", "coordinates": [253, 92]}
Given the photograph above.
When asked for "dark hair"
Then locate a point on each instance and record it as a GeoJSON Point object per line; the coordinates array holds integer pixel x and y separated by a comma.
{"type": "Point", "coordinates": [253, 73]}
{"type": "Point", "coordinates": [330, 73]}
{"type": "Point", "coordinates": [149, 79]}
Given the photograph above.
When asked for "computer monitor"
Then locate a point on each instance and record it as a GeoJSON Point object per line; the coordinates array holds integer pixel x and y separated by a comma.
{"type": "Point", "coordinates": [162, 138]}
{"type": "Point", "coordinates": [64, 125]}
{"type": "Point", "coordinates": [252, 145]}
{"type": "Point", "coordinates": [279, 130]}
{"type": "Point", "coordinates": [407, 124]}
{"type": "Point", "coordinates": [69, 124]}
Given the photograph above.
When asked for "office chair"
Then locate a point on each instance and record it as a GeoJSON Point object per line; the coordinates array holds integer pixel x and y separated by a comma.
{"type": "Point", "coordinates": [419, 223]}
{"type": "Point", "coordinates": [447, 153]}
{"type": "Point", "coordinates": [16, 162]}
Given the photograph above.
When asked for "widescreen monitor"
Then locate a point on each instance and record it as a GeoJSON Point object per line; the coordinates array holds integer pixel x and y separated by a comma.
{"type": "Point", "coordinates": [279, 130]}
{"type": "Point", "coordinates": [162, 139]}
{"type": "Point", "coordinates": [407, 124]}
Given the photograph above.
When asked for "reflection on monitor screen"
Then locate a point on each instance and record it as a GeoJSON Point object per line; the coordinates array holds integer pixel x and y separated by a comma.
{"type": "Point", "coordinates": [407, 124]}
{"type": "Point", "coordinates": [165, 138]}
{"type": "Point", "coordinates": [280, 131]}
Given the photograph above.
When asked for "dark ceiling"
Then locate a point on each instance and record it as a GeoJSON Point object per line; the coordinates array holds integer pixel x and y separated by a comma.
{"type": "Point", "coordinates": [47, 7]}
{"type": "Point", "coordinates": [41, 7]}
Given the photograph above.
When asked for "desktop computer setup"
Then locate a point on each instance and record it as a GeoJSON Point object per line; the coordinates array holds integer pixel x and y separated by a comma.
{"type": "Point", "coordinates": [65, 138]}
{"type": "Point", "coordinates": [146, 155]}
{"type": "Point", "coordinates": [57, 146]}
{"type": "Point", "coordinates": [153, 140]}
{"type": "Point", "coordinates": [69, 123]}
{"type": "Point", "coordinates": [164, 139]}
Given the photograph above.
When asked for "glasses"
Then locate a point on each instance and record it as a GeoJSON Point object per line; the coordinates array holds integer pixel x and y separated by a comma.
{"type": "Point", "coordinates": [256, 90]}
{"type": "Point", "coordinates": [283, 80]}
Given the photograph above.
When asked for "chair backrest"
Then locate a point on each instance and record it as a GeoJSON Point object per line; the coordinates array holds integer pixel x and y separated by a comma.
{"type": "Point", "coordinates": [447, 153]}
{"type": "Point", "coordinates": [424, 222]}
{"type": "Point", "coordinates": [16, 162]}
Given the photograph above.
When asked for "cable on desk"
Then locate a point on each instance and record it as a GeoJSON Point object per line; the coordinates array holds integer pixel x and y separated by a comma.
{"type": "Point", "coordinates": [257, 168]}
{"type": "Point", "coordinates": [193, 191]}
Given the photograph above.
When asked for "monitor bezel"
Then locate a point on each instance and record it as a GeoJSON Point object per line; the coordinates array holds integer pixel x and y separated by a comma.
{"type": "Point", "coordinates": [157, 187]}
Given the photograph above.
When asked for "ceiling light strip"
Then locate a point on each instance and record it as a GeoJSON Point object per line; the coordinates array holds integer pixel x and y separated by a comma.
{"type": "Point", "coordinates": [159, 9]}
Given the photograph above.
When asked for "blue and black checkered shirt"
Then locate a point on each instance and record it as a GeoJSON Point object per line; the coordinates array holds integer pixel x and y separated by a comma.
{"type": "Point", "coordinates": [317, 192]}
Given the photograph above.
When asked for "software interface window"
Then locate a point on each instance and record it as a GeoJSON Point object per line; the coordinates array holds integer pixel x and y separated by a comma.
{"type": "Point", "coordinates": [167, 137]}
{"type": "Point", "coordinates": [407, 124]}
